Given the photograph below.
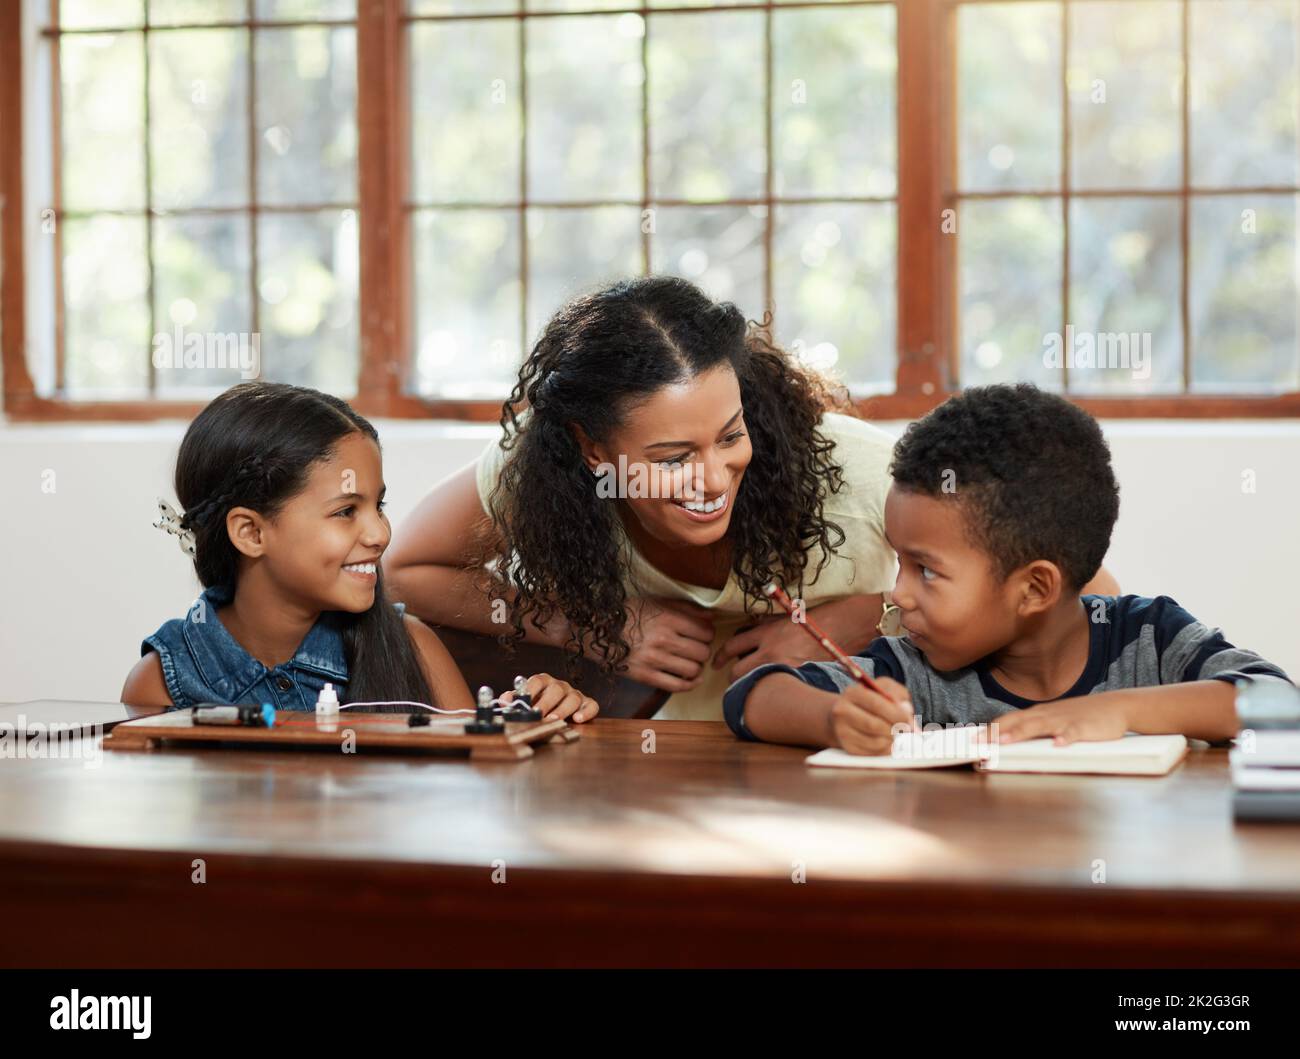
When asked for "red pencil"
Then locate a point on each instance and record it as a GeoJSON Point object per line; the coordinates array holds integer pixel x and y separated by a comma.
{"type": "Point", "coordinates": [774, 591]}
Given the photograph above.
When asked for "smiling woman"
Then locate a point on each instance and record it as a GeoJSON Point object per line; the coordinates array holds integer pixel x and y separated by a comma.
{"type": "Point", "coordinates": [754, 474]}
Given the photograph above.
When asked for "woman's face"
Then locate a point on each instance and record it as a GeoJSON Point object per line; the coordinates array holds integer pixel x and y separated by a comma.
{"type": "Point", "coordinates": [678, 460]}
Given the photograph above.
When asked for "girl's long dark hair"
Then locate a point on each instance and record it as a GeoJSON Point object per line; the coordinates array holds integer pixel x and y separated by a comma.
{"type": "Point", "coordinates": [254, 446]}
{"type": "Point", "coordinates": [557, 541]}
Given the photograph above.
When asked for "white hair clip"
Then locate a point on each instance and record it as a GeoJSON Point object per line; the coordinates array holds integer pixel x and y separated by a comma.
{"type": "Point", "coordinates": [170, 522]}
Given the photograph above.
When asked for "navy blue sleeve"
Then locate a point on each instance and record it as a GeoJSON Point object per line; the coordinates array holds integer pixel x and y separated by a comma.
{"type": "Point", "coordinates": [733, 701]}
{"type": "Point", "coordinates": [877, 660]}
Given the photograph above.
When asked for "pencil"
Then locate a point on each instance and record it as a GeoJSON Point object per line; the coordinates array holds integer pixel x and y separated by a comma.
{"type": "Point", "coordinates": [774, 591]}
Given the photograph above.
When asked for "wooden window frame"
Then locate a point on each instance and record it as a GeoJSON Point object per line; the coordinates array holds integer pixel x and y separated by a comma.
{"type": "Point", "coordinates": [926, 277]}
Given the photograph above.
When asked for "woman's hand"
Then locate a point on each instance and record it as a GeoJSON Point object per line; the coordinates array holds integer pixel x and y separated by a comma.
{"type": "Point", "coordinates": [850, 622]}
{"type": "Point", "coordinates": [670, 641]}
{"type": "Point", "coordinates": [557, 699]}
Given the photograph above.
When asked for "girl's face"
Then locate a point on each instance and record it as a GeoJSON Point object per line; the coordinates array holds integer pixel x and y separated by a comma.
{"type": "Point", "coordinates": [323, 547]}
{"type": "Point", "coordinates": [684, 450]}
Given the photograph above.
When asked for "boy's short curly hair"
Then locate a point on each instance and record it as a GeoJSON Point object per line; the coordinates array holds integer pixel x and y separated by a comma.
{"type": "Point", "coordinates": [1031, 471]}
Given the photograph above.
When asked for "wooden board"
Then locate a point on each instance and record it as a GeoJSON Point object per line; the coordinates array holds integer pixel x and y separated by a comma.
{"type": "Point", "coordinates": [301, 728]}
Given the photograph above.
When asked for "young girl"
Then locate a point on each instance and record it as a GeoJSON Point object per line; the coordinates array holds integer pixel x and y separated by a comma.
{"type": "Point", "coordinates": [283, 493]}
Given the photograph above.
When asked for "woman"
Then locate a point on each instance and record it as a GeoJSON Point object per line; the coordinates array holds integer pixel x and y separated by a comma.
{"type": "Point", "coordinates": [671, 462]}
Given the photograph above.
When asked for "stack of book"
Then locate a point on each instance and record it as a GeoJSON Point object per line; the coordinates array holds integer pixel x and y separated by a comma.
{"type": "Point", "coordinates": [1266, 760]}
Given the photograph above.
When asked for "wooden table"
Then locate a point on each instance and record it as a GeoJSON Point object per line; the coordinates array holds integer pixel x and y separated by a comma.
{"type": "Point", "coordinates": [611, 855]}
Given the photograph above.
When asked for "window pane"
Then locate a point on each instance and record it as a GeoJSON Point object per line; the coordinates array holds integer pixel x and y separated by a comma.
{"type": "Point", "coordinates": [1243, 93]}
{"type": "Point", "coordinates": [196, 12]}
{"type": "Point", "coordinates": [307, 115]}
{"type": "Point", "coordinates": [106, 320]}
{"type": "Point", "coordinates": [1009, 87]}
{"type": "Point", "coordinates": [462, 7]}
{"type": "Point", "coordinates": [1125, 293]}
{"type": "Point", "coordinates": [584, 107]}
{"type": "Point", "coordinates": [294, 10]}
{"type": "Point", "coordinates": [1010, 279]}
{"type": "Point", "coordinates": [718, 248]}
{"type": "Point", "coordinates": [722, 3]}
{"type": "Point", "coordinates": [579, 5]}
{"type": "Point", "coordinates": [198, 118]}
{"type": "Point", "coordinates": [102, 100]}
{"type": "Point", "coordinates": [707, 106]}
{"type": "Point", "coordinates": [466, 122]}
{"type": "Point", "coordinates": [834, 289]}
{"type": "Point", "coordinates": [1125, 78]}
{"type": "Point", "coordinates": [833, 96]}
{"type": "Point", "coordinates": [98, 14]}
{"type": "Point", "coordinates": [202, 311]}
{"type": "Point", "coordinates": [307, 265]}
{"type": "Point", "coordinates": [1243, 294]}
{"type": "Point", "coordinates": [574, 250]}
{"type": "Point", "coordinates": [467, 302]}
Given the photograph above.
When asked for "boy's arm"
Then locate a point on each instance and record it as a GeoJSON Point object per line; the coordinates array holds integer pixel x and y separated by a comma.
{"type": "Point", "coordinates": [782, 708]}
{"type": "Point", "coordinates": [1199, 670]}
{"type": "Point", "coordinates": [1196, 697]}
{"type": "Point", "coordinates": [777, 703]}
{"type": "Point", "coordinates": [1202, 709]}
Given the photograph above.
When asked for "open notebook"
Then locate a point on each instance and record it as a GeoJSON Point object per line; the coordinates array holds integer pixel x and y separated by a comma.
{"type": "Point", "coordinates": [1134, 755]}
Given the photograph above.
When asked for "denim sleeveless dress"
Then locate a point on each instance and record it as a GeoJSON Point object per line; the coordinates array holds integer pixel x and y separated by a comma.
{"type": "Point", "coordinates": [202, 662]}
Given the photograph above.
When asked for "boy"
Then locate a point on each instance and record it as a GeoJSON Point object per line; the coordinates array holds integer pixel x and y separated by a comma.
{"type": "Point", "coordinates": [1001, 508]}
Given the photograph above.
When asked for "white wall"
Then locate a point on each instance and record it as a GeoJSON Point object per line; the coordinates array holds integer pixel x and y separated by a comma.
{"type": "Point", "coordinates": [86, 577]}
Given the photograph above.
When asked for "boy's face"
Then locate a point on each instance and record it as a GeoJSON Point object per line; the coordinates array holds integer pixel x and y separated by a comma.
{"type": "Point", "coordinates": [955, 608]}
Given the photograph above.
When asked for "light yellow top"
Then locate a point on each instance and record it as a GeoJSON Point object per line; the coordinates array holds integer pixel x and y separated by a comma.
{"type": "Point", "coordinates": [864, 564]}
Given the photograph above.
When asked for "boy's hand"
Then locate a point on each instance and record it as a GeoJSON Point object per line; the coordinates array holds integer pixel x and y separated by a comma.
{"type": "Point", "coordinates": [557, 699]}
{"type": "Point", "coordinates": [1086, 718]}
{"type": "Point", "coordinates": [863, 722]}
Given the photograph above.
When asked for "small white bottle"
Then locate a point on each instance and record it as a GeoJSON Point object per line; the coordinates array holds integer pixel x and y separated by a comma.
{"type": "Point", "coordinates": [327, 702]}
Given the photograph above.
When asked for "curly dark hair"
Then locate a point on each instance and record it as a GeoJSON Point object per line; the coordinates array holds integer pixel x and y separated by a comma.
{"type": "Point", "coordinates": [1031, 471]}
{"type": "Point", "coordinates": [557, 543]}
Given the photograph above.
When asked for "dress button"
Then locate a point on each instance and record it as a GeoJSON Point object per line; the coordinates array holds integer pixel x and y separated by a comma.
{"type": "Point", "coordinates": [284, 683]}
